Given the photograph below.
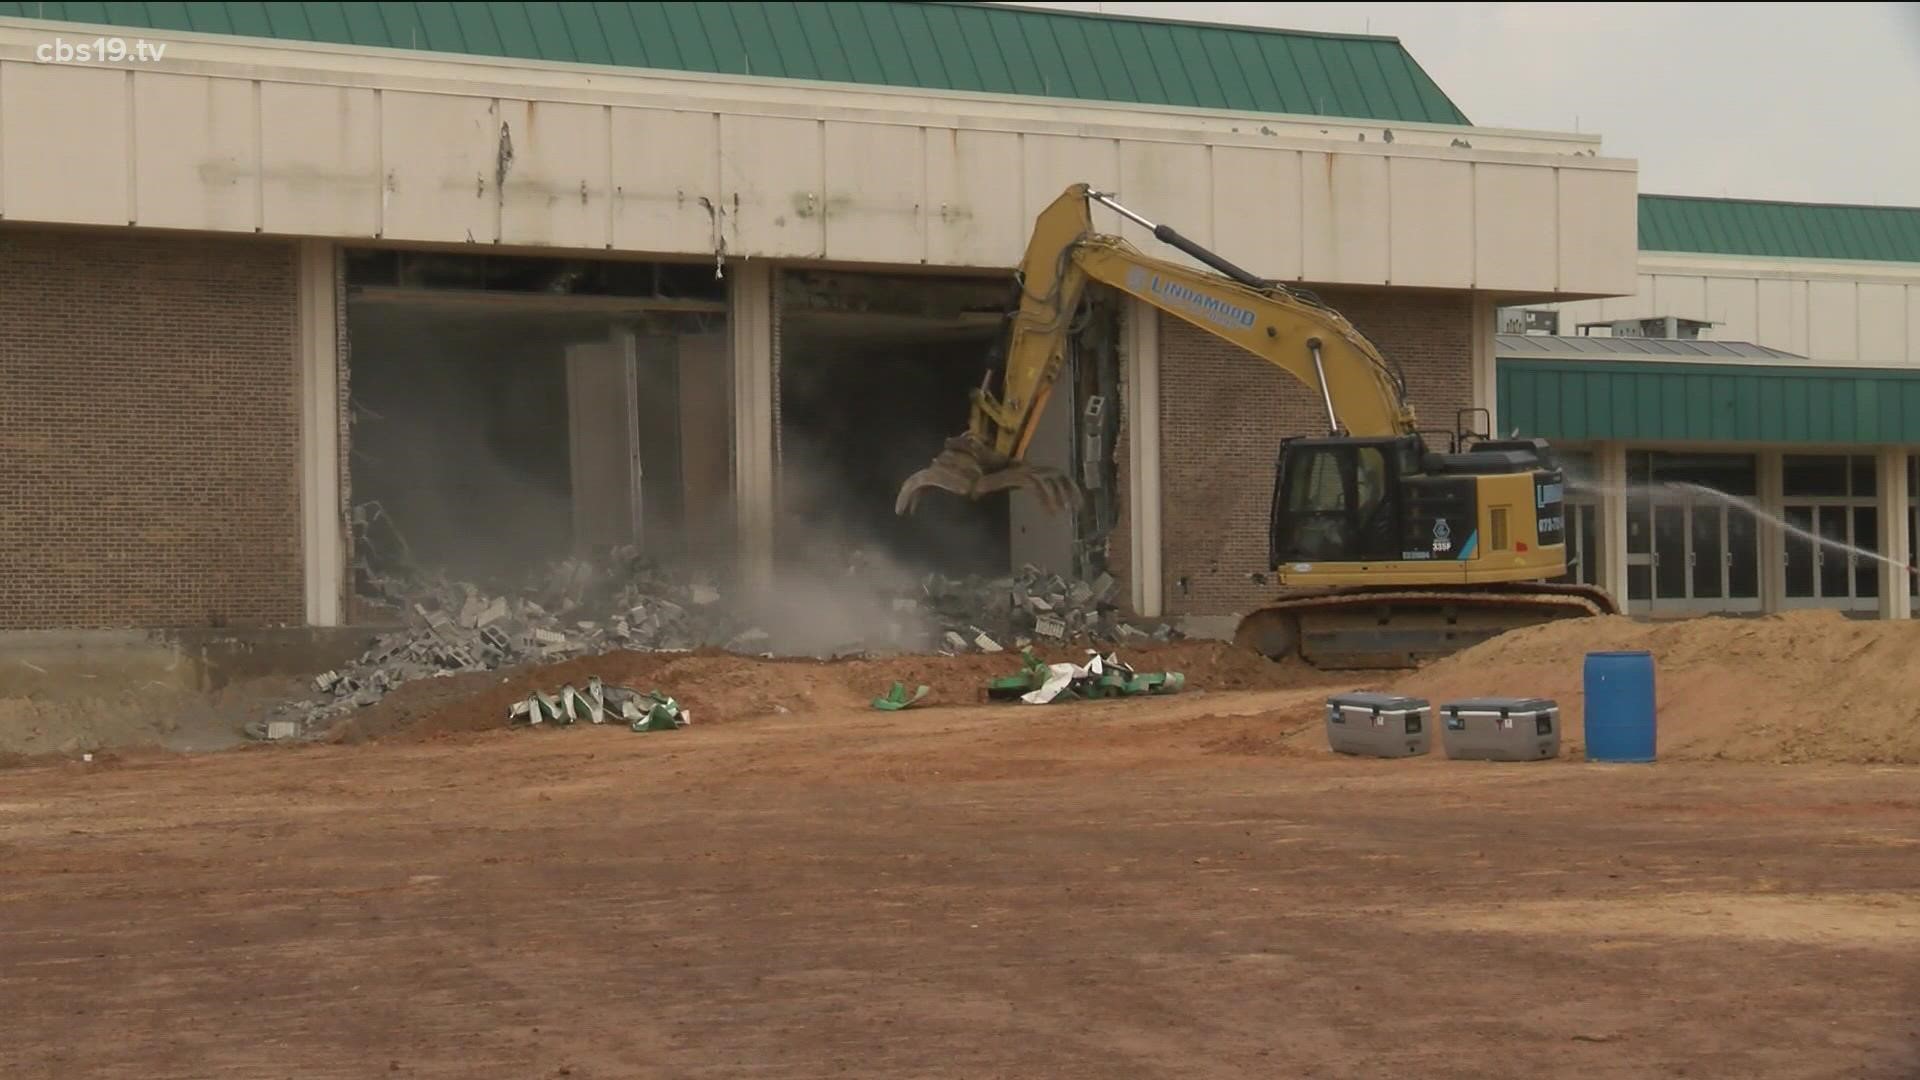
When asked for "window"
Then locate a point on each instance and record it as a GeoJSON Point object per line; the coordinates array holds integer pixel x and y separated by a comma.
{"type": "Point", "coordinates": [1828, 476]}
{"type": "Point", "coordinates": [1338, 503]}
{"type": "Point", "coordinates": [1319, 487]}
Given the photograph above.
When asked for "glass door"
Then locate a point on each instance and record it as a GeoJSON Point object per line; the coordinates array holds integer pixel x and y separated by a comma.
{"type": "Point", "coordinates": [1583, 549]}
{"type": "Point", "coordinates": [1693, 545]}
{"type": "Point", "coordinates": [1832, 520]}
{"type": "Point", "coordinates": [1670, 557]}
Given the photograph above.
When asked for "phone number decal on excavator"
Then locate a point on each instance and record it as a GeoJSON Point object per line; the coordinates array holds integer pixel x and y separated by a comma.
{"type": "Point", "coordinates": [1139, 279]}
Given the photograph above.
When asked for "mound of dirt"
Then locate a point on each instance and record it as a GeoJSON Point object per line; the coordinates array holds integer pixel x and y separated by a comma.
{"type": "Point", "coordinates": [145, 716]}
{"type": "Point", "coordinates": [720, 687]}
{"type": "Point", "coordinates": [1809, 686]}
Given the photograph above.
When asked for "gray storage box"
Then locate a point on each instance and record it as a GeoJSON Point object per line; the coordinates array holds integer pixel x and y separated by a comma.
{"type": "Point", "coordinates": [1501, 729]}
{"type": "Point", "coordinates": [1378, 725]}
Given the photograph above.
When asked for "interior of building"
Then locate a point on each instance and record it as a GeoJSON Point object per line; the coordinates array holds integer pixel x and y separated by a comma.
{"type": "Point", "coordinates": [875, 373]}
{"type": "Point", "coordinates": [508, 412]}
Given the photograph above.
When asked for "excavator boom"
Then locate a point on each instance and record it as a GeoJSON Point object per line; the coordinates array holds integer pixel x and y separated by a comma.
{"type": "Point", "coordinates": [1403, 553]}
{"type": "Point", "coordinates": [1313, 343]}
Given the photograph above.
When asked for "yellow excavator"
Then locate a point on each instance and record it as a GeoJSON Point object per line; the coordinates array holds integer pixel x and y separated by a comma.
{"type": "Point", "coordinates": [1387, 551]}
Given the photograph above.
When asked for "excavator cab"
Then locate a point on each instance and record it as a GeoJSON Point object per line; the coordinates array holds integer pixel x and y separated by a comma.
{"type": "Point", "coordinates": [1388, 506]}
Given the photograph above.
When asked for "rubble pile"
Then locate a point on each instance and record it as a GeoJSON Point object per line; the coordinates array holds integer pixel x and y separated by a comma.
{"type": "Point", "coordinates": [990, 615]}
{"type": "Point", "coordinates": [580, 608]}
{"type": "Point", "coordinates": [651, 711]}
{"type": "Point", "coordinates": [572, 609]}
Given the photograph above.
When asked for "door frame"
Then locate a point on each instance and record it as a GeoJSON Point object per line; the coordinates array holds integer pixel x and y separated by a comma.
{"type": "Point", "coordinates": [1688, 506]}
{"type": "Point", "coordinates": [1815, 503]}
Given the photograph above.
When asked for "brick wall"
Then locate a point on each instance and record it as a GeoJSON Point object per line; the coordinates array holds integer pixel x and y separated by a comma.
{"type": "Point", "coordinates": [148, 432]}
{"type": "Point", "coordinates": [1223, 414]}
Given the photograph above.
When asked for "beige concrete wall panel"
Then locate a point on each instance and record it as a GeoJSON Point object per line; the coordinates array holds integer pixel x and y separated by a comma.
{"type": "Point", "coordinates": [1913, 325]}
{"type": "Point", "coordinates": [556, 189]}
{"type": "Point", "coordinates": [666, 181]}
{"type": "Point", "coordinates": [1734, 305]}
{"type": "Point", "coordinates": [1833, 321]}
{"type": "Point", "coordinates": [1681, 295]}
{"type": "Point", "coordinates": [347, 144]}
{"type": "Point", "coordinates": [771, 186]}
{"type": "Point", "coordinates": [974, 209]}
{"type": "Point", "coordinates": [1346, 205]}
{"type": "Point", "coordinates": [194, 152]}
{"type": "Point", "coordinates": [69, 144]}
{"type": "Point", "coordinates": [1883, 324]}
{"type": "Point", "coordinates": [1049, 164]}
{"type": "Point", "coordinates": [1599, 230]}
{"type": "Point", "coordinates": [442, 157]}
{"type": "Point", "coordinates": [876, 192]}
{"type": "Point", "coordinates": [1169, 184]}
{"type": "Point", "coordinates": [1256, 209]}
{"type": "Point", "coordinates": [1430, 227]}
{"type": "Point", "coordinates": [1516, 244]}
{"type": "Point", "coordinates": [319, 160]}
{"type": "Point", "coordinates": [1783, 315]}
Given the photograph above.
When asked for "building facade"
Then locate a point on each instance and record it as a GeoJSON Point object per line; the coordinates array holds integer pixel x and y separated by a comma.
{"type": "Point", "coordinates": [1746, 423]}
{"type": "Point", "coordinates": [299, 293]}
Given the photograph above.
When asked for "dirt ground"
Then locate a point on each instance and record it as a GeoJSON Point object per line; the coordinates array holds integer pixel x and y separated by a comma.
{"type": "Point", "coordinates": [1179, 887]}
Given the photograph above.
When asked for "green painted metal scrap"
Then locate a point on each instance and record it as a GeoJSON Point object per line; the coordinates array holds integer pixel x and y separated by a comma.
{"type": "Point", "coordinates": [898, 698]}
{"type": "Point", "coordinates": [657, 712]}
{"type": "Point", "coordinates": [1113, 679]}
{"type": "Point", "coordinates": [651, 711]}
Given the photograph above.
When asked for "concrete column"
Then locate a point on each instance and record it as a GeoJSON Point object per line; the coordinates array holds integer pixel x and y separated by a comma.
{"type": "Point", "coordinates": [603, 442]}
{"type": "Point", "coordinates": [705, 442]}
{"type": "Point", "coordinates": [1143, 455]}
{"type": "Point", "coordinates": [1895, 544]}
{"type": "Point", "coordinates": [1041, 537]}
{"type": "Point", "coordinates": [750, 328]}
{"type": "Point", "coordinates": [1773, 544]}
{"type": "Point", "coordinates": [322, 528]}
{"type": "Point", "coordinates": [1611, 463]}
{"type": "Point", "coordinates": [1486, 386]}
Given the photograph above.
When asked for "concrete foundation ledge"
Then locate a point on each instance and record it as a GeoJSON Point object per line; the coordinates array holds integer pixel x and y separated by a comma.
{"type": "Point", "coordinates": [1207, 627]}
{"type": "Point", "coordinates": [55, 664]}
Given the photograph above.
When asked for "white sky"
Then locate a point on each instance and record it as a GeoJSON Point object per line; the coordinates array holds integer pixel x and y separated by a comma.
{"type": "Point", "coordinates": [1807, 102]}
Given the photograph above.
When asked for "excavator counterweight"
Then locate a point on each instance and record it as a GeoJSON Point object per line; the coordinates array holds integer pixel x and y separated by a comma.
{"type": "Point", "coordinates": [1388, 551]}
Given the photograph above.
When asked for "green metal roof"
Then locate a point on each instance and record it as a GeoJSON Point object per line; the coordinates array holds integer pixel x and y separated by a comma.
{"type": "Point", "coordinates": [1577, 401]}
{"type": "Point", "coordinates": [1779, 229]}
{"type": "Point", "coordinates": [938, 46]}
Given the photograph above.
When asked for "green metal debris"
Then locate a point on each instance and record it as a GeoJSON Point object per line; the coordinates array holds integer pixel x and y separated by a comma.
{"type": "Point", "coordinates": [662, 713]}
{"type": "Point", "coordinates": [651, 711]}
{"type": "Point", "coordinates": [1040, 683]}
{"type": "Point", "coordinates": [897, 698]}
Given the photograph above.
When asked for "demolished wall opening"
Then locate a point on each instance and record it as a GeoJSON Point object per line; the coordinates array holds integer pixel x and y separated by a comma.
{"type": "Point", "coordinates": [875, 373]}
{"type": "Point", "coordinates": [508, 412]}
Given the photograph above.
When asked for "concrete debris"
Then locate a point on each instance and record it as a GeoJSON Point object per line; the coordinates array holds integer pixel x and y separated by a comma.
{"type": "Point", "coordinates": [1028, 605]}
{"type": "Point", "coordinates": [572, 609]}
{"type": "Point", "coordinates": [651, 711]}
{"type": "Point", "coordinates": [576, 608]}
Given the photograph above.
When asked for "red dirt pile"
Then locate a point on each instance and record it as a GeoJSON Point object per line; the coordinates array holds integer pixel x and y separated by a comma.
{"type": "Point", "coordinates": [1803, 686]}
{"type": "Point", "coordinates": [720, 687]}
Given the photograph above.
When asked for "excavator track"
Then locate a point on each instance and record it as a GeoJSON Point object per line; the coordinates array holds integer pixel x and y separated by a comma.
{"type": "Point", "coordinates": [1364, 627]}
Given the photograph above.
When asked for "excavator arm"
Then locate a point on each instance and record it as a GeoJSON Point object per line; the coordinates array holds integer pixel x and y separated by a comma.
{"type": "Point", "coordinates": [1361, 392]}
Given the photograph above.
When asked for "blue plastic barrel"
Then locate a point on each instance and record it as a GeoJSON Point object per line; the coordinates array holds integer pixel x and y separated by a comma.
{"type": "Point", "coordinates": [1619, 706]}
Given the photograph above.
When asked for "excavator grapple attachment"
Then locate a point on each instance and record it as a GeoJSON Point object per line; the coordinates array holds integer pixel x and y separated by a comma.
{"type": "Point", "coordinates": [973, 470]}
